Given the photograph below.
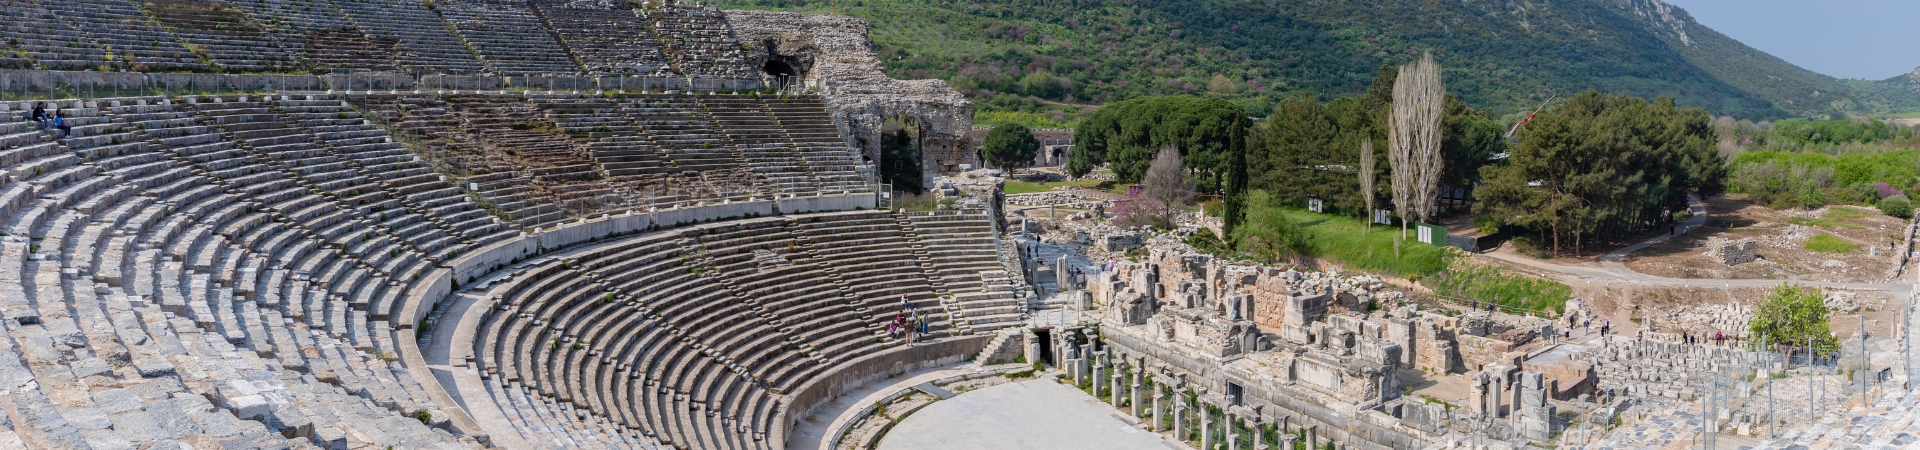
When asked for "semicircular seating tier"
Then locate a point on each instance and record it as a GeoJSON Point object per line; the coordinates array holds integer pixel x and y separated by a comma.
{"type": "Point", "coordinates": [698, 337]}
{"type": "Point", "coordinates": [232, 270]}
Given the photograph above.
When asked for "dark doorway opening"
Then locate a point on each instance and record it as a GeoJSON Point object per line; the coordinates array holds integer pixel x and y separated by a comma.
{"type": "Point", "coordinates": [900, 155]}
{"type": "Point", "coordinates": [1045, 336]}
{"type": "Point", "coordinates": [780, 71]}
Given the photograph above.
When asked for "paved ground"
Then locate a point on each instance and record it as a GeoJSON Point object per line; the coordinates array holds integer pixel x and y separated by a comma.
{"type": "Point", "coordinates": [1038, 414]}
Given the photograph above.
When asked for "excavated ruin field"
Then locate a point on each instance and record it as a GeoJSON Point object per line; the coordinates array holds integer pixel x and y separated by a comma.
{"type": "Point", "coordinates": [1858, 244]}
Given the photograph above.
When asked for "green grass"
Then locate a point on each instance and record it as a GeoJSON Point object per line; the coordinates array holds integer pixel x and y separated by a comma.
{"type": "Point", "coordinates": [1834, 218]}
{"type": "Point", "coordinates": [1514, 292]}
{"type": "Point", "coordinates": [1028, 187]}
{"type": "Point", "coordinates": [1826, 243]}
{"type": "Point", "coordinates": [1344, 240]}
{"type": "Point", "coordinates": [1029, 119]}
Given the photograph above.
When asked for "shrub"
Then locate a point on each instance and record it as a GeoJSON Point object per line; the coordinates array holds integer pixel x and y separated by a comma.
{"type": "Point", "coordinates": [1898, 206]}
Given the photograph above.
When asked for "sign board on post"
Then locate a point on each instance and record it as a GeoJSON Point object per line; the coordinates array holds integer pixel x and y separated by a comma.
{"type": "Point", "coordinates": [1430, 233]}
{"type": "Point", "coordinates": [1383, 217]}
{"type": "Point", "coordinates": [1316, 205]}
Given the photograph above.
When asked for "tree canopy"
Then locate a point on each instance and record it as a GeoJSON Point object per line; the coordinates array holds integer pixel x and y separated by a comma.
{"type": "Point", "coordinates": [1010, 145]}
{"type": "Point", "coordinates": [1602, 166]}
{"type": "Point", "coordinates": [1126, 135]}
{"type": "Point", "coordinates": [1307, 149]}
{"type": "Point", "coordinates": [1792, 315]}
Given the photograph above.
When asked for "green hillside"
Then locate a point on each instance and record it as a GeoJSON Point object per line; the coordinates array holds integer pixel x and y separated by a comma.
{"type": "Point", "coordinates": [1054, 57]}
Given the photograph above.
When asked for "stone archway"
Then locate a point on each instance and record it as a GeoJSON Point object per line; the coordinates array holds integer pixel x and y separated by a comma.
{"type": "Point", "coordinates": [780, 71]}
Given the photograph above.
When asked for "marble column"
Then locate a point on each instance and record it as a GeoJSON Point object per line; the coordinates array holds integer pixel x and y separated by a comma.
{"type": "Point", "coordinates": [1259, 426]}
{"type": "Point", "coordinates": [1082, 366]}
{"type": "Point", "coordinates": [1099, 372]}
{"type": "Point", "coordinates": [1114, 380]}
{"type": "Point", "coordinates": [1159, 408]}
{"type": "Point", "coordinates": [1179, 417]}
{"type": "Point", "coordinates": [1313, 437]}
{"type": "Point", "coordinates": [1206, 427]}
{"type": "Point", "coordinates": [1232, 433]}
{"type": "Point", "coordinates": [1135, 401]}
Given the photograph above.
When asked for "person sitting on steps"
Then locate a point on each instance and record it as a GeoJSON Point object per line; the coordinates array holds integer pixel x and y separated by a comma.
{"type": "Point", "coordinates": [39, 116]}
{"type": "Point", "coordinates": [60, 123]}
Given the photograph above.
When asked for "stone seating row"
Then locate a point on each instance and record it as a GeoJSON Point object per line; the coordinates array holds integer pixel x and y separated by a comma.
{"type": "Point", "coordinates": [700, 40]}
{"type": "Point", "coordinates": [965, 251]}
{"type": "Point", "coordinates": [227, 35]}
{"type": "Point", "coordinates": [607, 40]}
{"type": "Point", "coordinates": [462, 37]}
{"type": "Point", "coordinates": [585, 154]}
{"type": "Point", "coordinates": [509, 37]}
{"type": "Point", "coordinates": [426, 41]}
{"type": "Point", "coordinates": [692, 337]}
{"type": "Point", "coordinates": [47, 39]}
{"type": "Point", "coordinates": [138, 270]}
{"type": "Point", "coordinates": [126, 37]}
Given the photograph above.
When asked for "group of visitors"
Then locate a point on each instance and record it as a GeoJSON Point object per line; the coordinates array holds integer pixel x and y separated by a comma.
{"type": "Point", "coordinates": [43, 122]}
{"type": "Point", "coordinates": [908, 324]}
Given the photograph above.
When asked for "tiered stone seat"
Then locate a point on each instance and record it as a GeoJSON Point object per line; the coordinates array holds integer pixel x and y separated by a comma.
{"type": "Point", "coordinates": [681, 125]}
{"type": "Point", "coordinates": [747, 122]}
{"type": "Point", "coordinates": [145, 319]}
{"type": "Point", "coordinates": [560, 168]}
{"type": "Point", "coordinates": [134, 40]}
{"type": "Point", "coordinates": [427, 43]}
{"type": "Point", "coordinates": [554, 325]}
{"type": "Point", "coordinates": [47, 40]}
{"type": "Point", "coordinates": [692, 337]}
{"type": "Point", "coordinates": [834, 164]}
{"type": "Point", "coordinates": [350, 51]}
{"type": "Point", "coordinates": [963, 249]}
{"type": "Point", "coordinates": [509, 37]}
{"type": "Point", "coordinates": [431, 214]}
{"type": "Point", "coordinates": [700, 40]}
{"type": "Point", "coordinates": [607, 38]}
{"type": "Point", "coordinates": [497, 177]}
{"type": "Point", "coordinates": [329, 41]}
{"type": "Point", "coordinates": [307, 16]}
{"type": "Point", "coordinates": [230, 38]}
{"type": "Point", "coordinates": [871, 253]}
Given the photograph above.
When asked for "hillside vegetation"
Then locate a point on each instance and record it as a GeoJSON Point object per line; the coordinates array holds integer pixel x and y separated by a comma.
{"type": "Point", "coordinates": [1053, 58]}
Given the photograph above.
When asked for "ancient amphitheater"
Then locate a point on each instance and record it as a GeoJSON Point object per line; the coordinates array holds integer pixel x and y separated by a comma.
{"type": "Point", "coordinates": [656, 224]}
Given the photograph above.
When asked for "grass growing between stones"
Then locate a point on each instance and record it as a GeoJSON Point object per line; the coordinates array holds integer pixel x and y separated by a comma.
{"type": "Point", "coordinates": [1826, 243]}
{"type": "Point", "coordinates": [1029, 187]}
{"type": "Point", "coordinates": [1836, 217]}
{"type": "Point", "coordinates": [1514, 292]}
{"type": "Point", "coordinates": [1346, 241]}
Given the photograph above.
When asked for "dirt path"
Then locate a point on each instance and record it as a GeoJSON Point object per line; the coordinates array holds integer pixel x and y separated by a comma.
{"type": "Point", "coordinates": [1613, 268]}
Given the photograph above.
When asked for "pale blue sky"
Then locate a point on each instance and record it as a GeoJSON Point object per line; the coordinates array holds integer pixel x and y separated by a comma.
{"type": "Point", "coordinates": [1872, 39]}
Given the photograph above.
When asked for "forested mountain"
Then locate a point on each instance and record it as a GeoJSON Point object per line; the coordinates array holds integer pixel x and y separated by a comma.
{"type": "Point", "coordinates": [1057, 55]}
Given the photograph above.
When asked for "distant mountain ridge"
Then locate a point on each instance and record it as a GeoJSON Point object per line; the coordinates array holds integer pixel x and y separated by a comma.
{"type": "Point", "coordinates": [1498, 54]}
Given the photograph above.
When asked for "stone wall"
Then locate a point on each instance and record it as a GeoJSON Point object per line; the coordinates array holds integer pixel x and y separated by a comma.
{"type": "Point", "coordinates": [840, 202]}
{"type": "Point", "coordinates": [833, 56]}
{"type": "Point", "coordinates": [858, 372]}
{"type": "Point", "coordinates": [1478, 351]}
{"type": "Point", "coordinates": [1733, 252]}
